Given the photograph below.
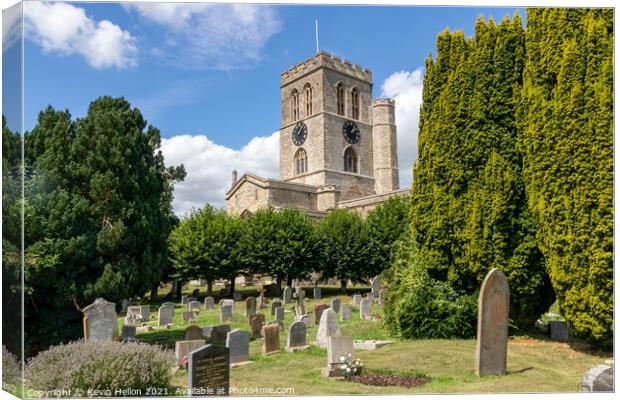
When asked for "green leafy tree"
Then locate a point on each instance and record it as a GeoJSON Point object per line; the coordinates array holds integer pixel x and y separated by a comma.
{"type": "Point", "coordinates": [566, 138]}
{"type": "Point", "coordinates": [345, 251]}
{"type": "Point", "coordinates": [385, 225]}
{"type": "Point", "coordinates": [280, 243]}
{"type": "Point", "coordinates": [98, 214]}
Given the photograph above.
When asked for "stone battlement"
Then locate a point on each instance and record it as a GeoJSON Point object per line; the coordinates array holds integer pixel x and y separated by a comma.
{"type": "Point", "coordinates": [324, 59]}
{"type": "Point", "coordinates": [383, 101]}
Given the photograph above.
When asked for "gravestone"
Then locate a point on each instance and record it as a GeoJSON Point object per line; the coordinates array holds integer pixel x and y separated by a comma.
{"type": "Point", "coordinates": [493, 306]}
{"type": "Point", "coordinates": [356, 299]}
{"type": "Point", "coordinates": [376, 286]}
{"type": "Point", "coordinates": [327, 327]}
{"type": "Point", "coordinates": [337, 346]}
{"type": "Point", "coordinates": [190, 299]}
{"type": "Point", "coordinates": [256, 325]}
{"type": "Point", "coordinates": [133, 320]}
{"type": "Point", "coordinates": [365, 309]}
{"type": "Point", "coordinates": [262, 302]}
{"type": "Point", "coordinates": [306, 319]}
{"type": "Point", "coordinates": [296, 336]}
{"type": "Point", "coordinates": [317, 293]}
{"type": "Point", "coordinates": [598, 379]}
{"type": "Point", "coordinates": [381, 298]}
{"type": "Point", "coordinates": [216, 334]}
{"type": "Point", "coordinates": [124, 305]}
{"type": "Point", "coordinates": [558, 330]}
{"type": "Point", "coordinates": [370, 297]}
{"type": "Point", "coordinates": [271, 339]}
{"type": "Point", "coordinates": [228, 302]}
{"type": "Point", "coordinates": [279, 314]}
{"type": "Point", "coordinates": [237, 296]}
{"type": "Point", "coordinates": [165, 313]}
{"type": "Point", "coordinates": [300, 309]}
{"type": "Point", "coordinates": [100, 321]}
{"type": "Point", "coordinates": [226, 313]}
{"type": "Point", "coordinates": [238, 343]}
{"type": "Point", "coordinates": [301, 296]}
{"type": "Point", "coordinates": [134, 310]}
{"type": "Point", "coordinates": [318, 310]}
{"type": "Point", "coordinates": [345, 312]}
{"type": "Point", "coordinates": [335, 305]}
{"type": "Point", "coordinates": [209, 371]}
{"type": "Point", "coordinates": [184, 347]}
{"type": "Point", "coordinates": [193, 306]}
{"type": "Point", "coordinates": [208, 303]}
{"type": "Point", "coordinates": [275, 305]}
{"type": "Point", "coordinates": [250, 306]}
{"type": "Point", "coordinates": [128, 332]}
{"type": "Point", "coordinates": [188, 316]}
{"type": "Point", "coordinates": [287, 295]}
{"type": "Point", "coordinates": [169, 304]}
{"type": "Point", "coordinates": [193, 332]}
{"type": "Point", "coordinates": [184, 299]}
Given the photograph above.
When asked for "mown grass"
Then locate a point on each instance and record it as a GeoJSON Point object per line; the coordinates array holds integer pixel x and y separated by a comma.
{"type": "Point", "coordinates": [535, 364]}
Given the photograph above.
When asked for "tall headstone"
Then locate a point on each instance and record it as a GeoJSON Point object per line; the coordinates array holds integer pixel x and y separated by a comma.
{"type": "Point", "coordinates": [335, 305]}
{"type": "Point", "coordinates": [184, 347]}
{"type": "Point", "coordinates": [287, 295]}
{"type": "Point", "coordinates": [317, 293]}
{"type": "Point", "coordinates": [493, 307]}
{"type": "Point", "coordinates": [328, 326]}
{"type": "Point", "coordinates": [296, 336]}
{"type": "Point", "coordinates": [279, 314]}
{"type": "Point", "coordinates": [376, 286]}
{"type": "Point", "coordinates": [209, 371]}
{"type": "Point", "coordinates": [165, 313]}
{"type": "Point", "coordinates": [100, 321]}
{"type": "Point", "coordinates": [193, 332]}
{"type": "Point", "coordinates": [275, 305]}
{"type": "Point", "coordinates": [345, 312]}
{"type": "Point", "coordinates": [356, 299]}
{"type": "Point", "coordinates": [318, 311]}
{"type": "Point", "coordinates": [271, 339]}
{"type": "Point", "coordinates": [193, 306]}
{"type": "Point", "coordinates": [208, 303]}
{"type": "Point", "coordinates": [238, 342]}
{"type": "Point", "coordinates": [256, 325]}
{"type": "Point", "coordinates": [365, 309]}
{"type": "Point", "coordinates": [225, 313]}
{"type": "Point", "coordinates": [250, 306]}
{"type": "Point", "coordinates": [337, 346]}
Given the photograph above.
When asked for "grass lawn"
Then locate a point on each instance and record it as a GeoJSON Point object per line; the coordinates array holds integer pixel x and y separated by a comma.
{"type": "Point", "coordinates": [535, 364]}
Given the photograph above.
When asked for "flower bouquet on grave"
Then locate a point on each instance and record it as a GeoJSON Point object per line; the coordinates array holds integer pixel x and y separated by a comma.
{"type": "Point", "coordinates": [350, 367]}
{"type": "Point", "coordinates": [185, 362]}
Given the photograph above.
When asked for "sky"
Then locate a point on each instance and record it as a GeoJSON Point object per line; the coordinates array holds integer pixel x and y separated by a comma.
{"type": "Point", "coordinates": [208, 75]}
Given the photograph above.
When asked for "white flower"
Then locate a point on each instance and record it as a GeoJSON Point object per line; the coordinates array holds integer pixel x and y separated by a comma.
{"type": "Point", "coordinates": [342, 358]}
{"type": "Point", "coordinates": [348, 369]}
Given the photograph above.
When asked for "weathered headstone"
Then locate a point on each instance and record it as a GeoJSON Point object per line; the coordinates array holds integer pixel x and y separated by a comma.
{"type": "Point", "coordinates": [134, 310]}
{"type": "Point", "coordinates": [306, 319]}
{"type": "Point", "coordinates": [318, 310]}
{"type": "Point", "coordinates": [128, 332]}
{"type": "Point", "coordinates": [337, 346]}
{"type": "Point", "coordinates": [228, 302]}
{"type": "Point", "coordinates": [296, 336]}
{"type": "Point", "coordinates": [558, 330]}
{"type": "Point", "coordinates": [208, 303]}
{"type": "Point", "coordinates": [317, 293]}
{"type": "Point", "coordinates": [287, 295]}
{"type": "Point", "coordinates": [365, 309]}
{"type": "Point", "coordinates": [493, 307]}
{"type": "Point", "coordinates": [250, 306]}
{"type": "Point", "coordinates": [100, 321]}
{"type": "Point", "coordinates": [165, 313]}
{"type": "Point", "coordinates": [133, 320]}
{"type": "Point", "coordinates": [216, 334]}
{"type": "Point", "coordinates": [345, 312]}
{"type": "Point", "coordinates": [184, 299]}
{"type": "Point", "coordinates": [598, 379]}
{"type": "Point", "coordinates": [193, 332]}
{"type": "Point", "coordinates": [209, 371]}
{"type": "Point", "coordinates": [328, 326]}
{"type": "Point", "coordinates": [275, 305]}
{"type": "Point", "coordinates": [256, 325]}
{"type": "Point", "coordinates": [188, 316]}
{"type": "Point", "coordinates": [184, 347]}
{"type": "Point", "coordinates": [226, 313]}
{"type": "Point", "coordinates": [238, 343]}
{"type": "Point", "coordinates": [271, 339]}
{"type": "Point", "coordinates": [279, 314]}
{"type": "Point", "coordinates": [124, 305]}
{"type": "Point", "coordinates": [356, 299]}
{"type": "Point", "coordinates": [335, 305]}
{"type": "Point", "coordinates": [193, 306]}
{"type": "Point", "coordinates": [376, 286]}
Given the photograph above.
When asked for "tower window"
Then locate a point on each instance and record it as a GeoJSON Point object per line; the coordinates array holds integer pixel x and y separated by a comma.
{"type": "Point", "coordinates": [350, 160]}
{"type": "Point", "coordinates": [301, 162]}
{"type": "Point", "coordinates": [308, 99]}
{"type": "Point", "coordinates": [340, 98]}
{"type": "Point", "coordinates": [355, 103]}
{"type": "Point", "coordinates": [294, 105]}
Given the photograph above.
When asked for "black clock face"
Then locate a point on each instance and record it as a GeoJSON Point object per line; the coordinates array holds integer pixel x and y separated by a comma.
{"type": "Point", "coordinates": [351, 132]}
{"type": "Point", "coordinates": [300, 133]}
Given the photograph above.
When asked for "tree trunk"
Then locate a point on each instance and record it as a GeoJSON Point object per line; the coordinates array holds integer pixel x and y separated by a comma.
{"type": "Point", "coordinates": [177, 287]}
{"type": "Point", "coordinates": [232, 286]}
{"type": "Point", "coordinates": [210, 287]}
{"type": "Point", "coordinates": [279, 280]}
{"type": "Point", "coordinates": [289, 281]}
{"type": "Point", "coordinates": [154, 290]}
{"type": "Point", "coordinates": [343, 286]}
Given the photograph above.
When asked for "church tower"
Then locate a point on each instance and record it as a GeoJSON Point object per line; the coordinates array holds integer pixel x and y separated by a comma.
{"type": "Point", "coordinates": [326, 138]}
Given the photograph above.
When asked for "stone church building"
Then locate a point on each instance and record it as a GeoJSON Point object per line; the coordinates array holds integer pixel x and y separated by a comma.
{"type": "Point", "coordinates": [337, 145]}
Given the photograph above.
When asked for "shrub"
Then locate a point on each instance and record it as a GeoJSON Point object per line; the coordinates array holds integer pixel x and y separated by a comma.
{"type": "Point", "coordinates": [83, 366]}
{"type": "Point", "coordinates": [418, 306]}
{"type": "Point", "coordinates": [11, 372]}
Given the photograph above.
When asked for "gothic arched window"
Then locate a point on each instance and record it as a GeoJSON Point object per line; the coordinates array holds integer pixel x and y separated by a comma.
{"type": "Point", "coordinates": [294, 105]}
{"type": "Point", "coordinates": [355, 103]}
{"type": "Point", "coordinates": [340, 98]}
{"type": "Point", "coordinates": [301, 162]}
{"type": "Point", "coordinates": [350, 160]}
{"type": "Point", "coordinates": [308, 99]}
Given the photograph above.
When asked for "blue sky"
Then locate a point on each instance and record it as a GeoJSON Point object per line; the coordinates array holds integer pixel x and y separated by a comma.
{"type": "Point", "coordinates": [208, 76]}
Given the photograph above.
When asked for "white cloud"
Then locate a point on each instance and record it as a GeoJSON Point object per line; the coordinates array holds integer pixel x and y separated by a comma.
{"type": "Point", "coordinates": [406, 88]}
{"type": "Point", "coordinates": [11, 26]}
{"type": "Point", "coordinates": [209, 167]}
{"type": "Point", "coordinates": [220, 36]}
{"type": "Point", "coordinates": [66, 29]}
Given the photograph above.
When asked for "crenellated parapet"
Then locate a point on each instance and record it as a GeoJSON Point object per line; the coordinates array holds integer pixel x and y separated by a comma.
{"type": "Point", "coordinates": [324, 59]}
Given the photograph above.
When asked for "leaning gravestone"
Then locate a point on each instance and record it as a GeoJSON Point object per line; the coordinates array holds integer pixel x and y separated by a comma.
{"type": "Point", "coordinates": [493, 307]}
{"type": "Point", "coordinates": [296, 336]}
{"type": "Point", "coordinates": [271, 339]}
{"type": "Point", "coordinates": [256, 325]}
{"type": "Point", "coordinates": [287, 296]}
{"type": "Point", "coordinates": [317, 293]}
{"type": "Point", "coordinates": [337, 346]}
{"type": "Point", "coordinates": [193, 332]}
{"type": "Point", "coordinates": [184, 347]}
{"type": "Point", "coordinates": [327, 327]}
{"type": "Point", "coordinates": [279, 314]}
{"type": "Point", "coordinates": [208, 303]}
{"type": "Point", "coordinates": [165, 313]}
{"type": "Point", "coordinates": [193, 306]}
{"type": "Point", "coordinates": [128, 332]}
{"type": "Point", "coordinates": [356, 299]}
{"type": "Point", "coordinates": [376, 286]}
{"type": "Point", "coordinates": [598, 379]}
{"type": "Point", "coordinates": [335, 305]}
{"type": "Point", "coordinates": [100, 321]}
{"type": "Point", "coordinates": [238, 343]}
{"type": "Point", "coordinates": [345, 312]}
{"type": "Point", "coordinates": [250, 306]}
{"type": "Point", "coordinates": [365, 309]}
{"type": "Point", "coordinates": [225, 313]}
{"type": "Point", "coordinates": [318, 311]}
{"type": "Point", "coordinates": [209, 371]}
{"type": "Point", "coordinates": [558, 330]}
{"type": "Point", "coordinates": [275, 305]}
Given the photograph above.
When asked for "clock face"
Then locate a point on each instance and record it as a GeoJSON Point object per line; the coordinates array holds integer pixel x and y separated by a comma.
{"type": "Point", "coordinates": [300, 133]}
{"type": "Point", "coordinates": [351, 132]}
